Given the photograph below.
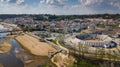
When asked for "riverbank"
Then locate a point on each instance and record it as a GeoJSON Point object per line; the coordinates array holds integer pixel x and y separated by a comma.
{"type": "Point", "coordinates": [34, 45]}
{"type": "Point", "coordinates": [40, 62]}
{"type": "Point", "coordinates": [62, 60]}
{"type": "Point", "coordinates": [5, 47]}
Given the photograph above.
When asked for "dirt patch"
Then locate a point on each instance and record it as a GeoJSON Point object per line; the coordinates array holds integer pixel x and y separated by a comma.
{"type": "Point", "coordinates": [62, 60]}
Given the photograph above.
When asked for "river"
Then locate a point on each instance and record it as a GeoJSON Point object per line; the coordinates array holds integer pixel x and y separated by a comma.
{"type": "Point", "coordinates": [19, 58]}
{"type": "Point", "coordinates": [10, 59]}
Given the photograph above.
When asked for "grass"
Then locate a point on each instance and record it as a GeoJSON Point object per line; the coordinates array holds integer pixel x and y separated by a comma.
{"type": "Point", "coordinates": [54, 41]}
{"type": "Point", "coordinates": [84, 63]}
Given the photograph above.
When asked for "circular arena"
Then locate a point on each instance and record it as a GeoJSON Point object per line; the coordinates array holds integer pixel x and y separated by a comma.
{"type": "Point", "coordinates": [96, 40]}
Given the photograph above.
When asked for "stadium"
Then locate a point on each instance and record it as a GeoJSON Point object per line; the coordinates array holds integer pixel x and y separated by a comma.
{"type": "Point", "coordinates": [96, 40]}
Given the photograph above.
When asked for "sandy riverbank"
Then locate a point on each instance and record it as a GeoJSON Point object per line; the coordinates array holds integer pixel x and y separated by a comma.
{"type": "Point", "coordinates": [5, 47]}
{"type": "Point", "coordinates": [34, 45]}
{"type": "Point", "coordinates": [62, 60]}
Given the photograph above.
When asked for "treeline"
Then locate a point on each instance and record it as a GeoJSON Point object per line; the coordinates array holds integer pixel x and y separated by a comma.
{"type": "Point", "coordinates": [70, 17]}
{"type": "Point", "coordinates": [49, 17]}
{"type": "Point", "coordinates": [5, 16]}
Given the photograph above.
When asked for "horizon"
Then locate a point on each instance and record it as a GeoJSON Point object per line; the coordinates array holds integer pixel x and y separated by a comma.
{"type": "Point", "coordinates": [60, 7]}
{"type": "Point", "coordinates": [64, 14]}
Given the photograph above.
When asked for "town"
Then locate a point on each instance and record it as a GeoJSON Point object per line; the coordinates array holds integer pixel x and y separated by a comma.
{"type": "Point", "coordinates": [66, 40]}
{"type": "Point", "coordinates": [59, 33]}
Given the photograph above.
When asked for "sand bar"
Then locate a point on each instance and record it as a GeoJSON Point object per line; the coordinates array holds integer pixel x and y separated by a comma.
{"type": "Point", "coordinates": [5, 47]}
{"type": "Point", "coordinates": [34, 45]}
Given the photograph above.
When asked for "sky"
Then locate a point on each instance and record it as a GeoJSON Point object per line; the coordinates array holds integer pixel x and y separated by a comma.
{"type": "Point", "coordinates": [59, 7]}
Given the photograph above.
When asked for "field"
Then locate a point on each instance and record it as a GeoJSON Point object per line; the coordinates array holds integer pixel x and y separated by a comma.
{"type": "Point", "coordinates": [34, 45]}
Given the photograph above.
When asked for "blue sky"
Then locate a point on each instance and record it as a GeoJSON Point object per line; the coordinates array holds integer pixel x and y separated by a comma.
{"type": "Point", "coordinates": [59, 7]}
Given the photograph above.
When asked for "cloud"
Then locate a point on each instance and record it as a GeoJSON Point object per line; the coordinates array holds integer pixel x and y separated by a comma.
{"type": "Point", "coordinates": [90, 2]}
{"type": "Point", "coordinates": [12, 8]}
{"type": "Point", "coordinates": [53, 2]}
{"type": "Point", "coordinates": [60, 7]}
{"type": "Point", "coordinates": [4, 0]}
{"type": "Point", "coordinates": [115, 4]}
{"type": "Point", "coordinates": [19, 1]}
{"type": "Point", "coordinates": [1, 0]}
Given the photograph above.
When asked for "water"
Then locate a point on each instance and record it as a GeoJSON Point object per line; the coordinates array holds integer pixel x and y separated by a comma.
{"type": "Point", "coordinates": [14, 59]}
{"type": "Point", "coordinates": [3, 35]}
{"type": "Point", "coordinates": [10, 59]}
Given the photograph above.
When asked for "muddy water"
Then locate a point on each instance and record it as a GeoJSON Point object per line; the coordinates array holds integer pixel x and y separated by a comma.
{"type": "Point", "coordinates": [10, 59]}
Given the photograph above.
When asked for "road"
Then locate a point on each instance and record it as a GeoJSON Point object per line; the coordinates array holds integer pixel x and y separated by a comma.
{"type": "Point", "coordinates": [57, 42]}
